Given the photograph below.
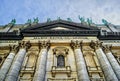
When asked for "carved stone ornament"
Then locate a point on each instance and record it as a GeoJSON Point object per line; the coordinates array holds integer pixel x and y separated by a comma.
{"type": "Point", "coordinates": [54, 51]}
{"type": "Point", "coordinates": [44, 44]}
{"type": "Point", "coordinates": [14, 48]}
{"type": "Point", "coordinates": [95, 44]}
{"type": "Point", "coordinates": [76, 44]}
{"type": "Point", "coordinates": [24, 44]}
{"type": "Point", "coordinates": [60, 51]}
{"type": "Point", "coordinates": [106, 48]}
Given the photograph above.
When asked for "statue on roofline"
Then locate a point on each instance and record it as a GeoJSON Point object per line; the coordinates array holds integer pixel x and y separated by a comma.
{"type": "Point", "coordinates": [82, 19]}
{"type": "Point", "coordinates": [58, 18]}
{"type": "Point", "coordinates": [36, 20]}
{"type": "Point", "coordinates": [104, 21]}
{"type": "Point", "coordinates": [13, 21]}
{"type": "Point", "coordinates": [89, 20]}
{"type": "Point", "coordinates": [48, 19]}
{"type": "Point", "coordinates": [69, 19]}
{"type": "Point", "coordinates": [29, 21]}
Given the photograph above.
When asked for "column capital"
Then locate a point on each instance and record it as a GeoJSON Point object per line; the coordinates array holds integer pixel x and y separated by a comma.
{"type": "Point", "coordinates": [54, 51]}
{"type": "Point", "coordinates": [66, 51]}
{"type": "Point", "coordinates": [44, 44]}
{"type": "Point", "coordinates": [14, 48]}
{"type": "Point", "coordinates": [76, 44]}
{"type": "Point", "coordinates": [106, 48]}
{"type": "Point", "coordinates": [95, 44]}
{"type": "Point", "coordinates": [24, 44]}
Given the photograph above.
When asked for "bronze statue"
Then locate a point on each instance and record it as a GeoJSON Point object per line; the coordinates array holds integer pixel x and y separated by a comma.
{"type": "Point", "coordinates": [58, 18]}
{"type": "Point", "coordinates": [36, 20]}
{"type": "Point", "coordinates": [69, 19]}
{"type": "Point", "coordinates": [29, 21]}
{"type": "Point", "coordinates": [82, 19]}
{"type": "Point", "coordinates": [48, 19]}
{"type": "Point", "coordinates": [104, 21]}
{"type": "Point", "coordinates": [89, 20]}
{"type": "Point", "coordinates": [13, 21]}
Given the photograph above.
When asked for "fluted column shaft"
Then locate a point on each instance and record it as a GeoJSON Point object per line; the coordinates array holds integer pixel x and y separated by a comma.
{"type": "Point", "coordinates": [17, 64]}
{"type": "Point", "coordinates": [7, 63]}
{"type": "Point", "coordinates": [41, 70]}
{"type": "Point", "coordinates": [105, 65]}
{"type": "Point", "coordinates": [113, 61]}
{"type": "Point", "coordinates": [80, 63]}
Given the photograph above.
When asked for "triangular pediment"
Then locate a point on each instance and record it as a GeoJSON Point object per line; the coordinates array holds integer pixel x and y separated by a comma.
{"type": "Point", "coordinates": [60, 28]}
{"type": "Point", "coordinates": [59, 25]}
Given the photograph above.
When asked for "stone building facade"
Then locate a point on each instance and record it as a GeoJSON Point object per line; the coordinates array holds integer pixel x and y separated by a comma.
{"type": "Point", "coordinates": [59, 51]}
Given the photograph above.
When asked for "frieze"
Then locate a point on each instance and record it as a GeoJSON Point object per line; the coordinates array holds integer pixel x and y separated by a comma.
{"type": "Point", "coordinates": [8, 41]}
{"type": "Point", "coordinates": [56, 38]}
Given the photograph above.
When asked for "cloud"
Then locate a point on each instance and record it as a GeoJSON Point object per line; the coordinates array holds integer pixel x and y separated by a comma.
{"type": "Point", "coordinates": [21, 10]}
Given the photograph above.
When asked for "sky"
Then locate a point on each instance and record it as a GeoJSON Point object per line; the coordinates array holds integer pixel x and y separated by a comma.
{"type": "Point", "coordinates": [22, 10]}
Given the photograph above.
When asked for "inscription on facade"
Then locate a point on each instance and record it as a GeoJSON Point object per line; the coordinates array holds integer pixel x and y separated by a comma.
{"type": "Point", "coordinates": [60, 38]}
{"type": "Point", "coordinates": [9, 41]}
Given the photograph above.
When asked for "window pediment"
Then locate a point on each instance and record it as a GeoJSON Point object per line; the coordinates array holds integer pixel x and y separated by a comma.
{"type": "Point", "coordinates": [60, 51]}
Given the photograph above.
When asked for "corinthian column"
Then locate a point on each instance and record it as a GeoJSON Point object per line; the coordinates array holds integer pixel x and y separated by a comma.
{"type": "Point", "coordinates": [112, 60]}
{"type": "Point", "coordinates": [80, 62]}
{"type": "Point", "coordinates": [104, 63]}
{"type": "Point", "coordinates": [7, 63]}
{"type": "Point", "coordinates": [17, 64]}
{"type": "Point", "coordinates": [42, 60]}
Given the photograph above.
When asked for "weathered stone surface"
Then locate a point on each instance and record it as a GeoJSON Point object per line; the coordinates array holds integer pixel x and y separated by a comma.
{"type": "Point", "coordinates": [6, 65]}
{"type": "Point", "coordinates": [114, 64]}
{"type": "Point", "coordinates": [81, 67]}
{"type": "Point", "coordinates": [16, 66]}
{"type": "Point", "coordinates": [40, 72]}
{"type": "Point", "coordinates": [105, 65]}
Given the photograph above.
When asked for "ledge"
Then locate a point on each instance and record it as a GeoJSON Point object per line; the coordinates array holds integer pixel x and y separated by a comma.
{"type": "Point", "coordinates": [56, 70]}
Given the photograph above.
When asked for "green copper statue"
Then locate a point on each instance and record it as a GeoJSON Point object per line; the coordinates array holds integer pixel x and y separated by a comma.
{"type": "Point", "coordinates": [82, 19]}
{"type": "Point", "coordinates": [48, 19]}
{"type": "Point", "coordinates": [36, 20]}
{"type": "Point", "coordinates": [29, 21]}
{"type": "Point", "coordinates": [89, 20]}
{"type": "Point", "coordinates": [104, 21]}
{"type": "Point", "coordinates": [13, 21]}
{"type": "Point", "coordinates": [58, 18]}
{"type": "Point", "coordinates": [69, 19]}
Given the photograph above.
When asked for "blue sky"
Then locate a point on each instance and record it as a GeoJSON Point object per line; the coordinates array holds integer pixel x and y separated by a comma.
{"type": "Point", "coordinates": [21, 10]}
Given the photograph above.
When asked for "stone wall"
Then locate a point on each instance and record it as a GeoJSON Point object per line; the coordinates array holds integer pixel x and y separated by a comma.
{"type": "Point", "coordinates": [86, 59]}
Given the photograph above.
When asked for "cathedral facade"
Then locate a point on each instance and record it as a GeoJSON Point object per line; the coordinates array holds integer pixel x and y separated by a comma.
{"type": "Point", "coordinates": [60, 51]}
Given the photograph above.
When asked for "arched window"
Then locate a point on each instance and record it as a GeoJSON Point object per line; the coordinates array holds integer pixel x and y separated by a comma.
{"type": "Point", "coordinates": [60, 61]}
